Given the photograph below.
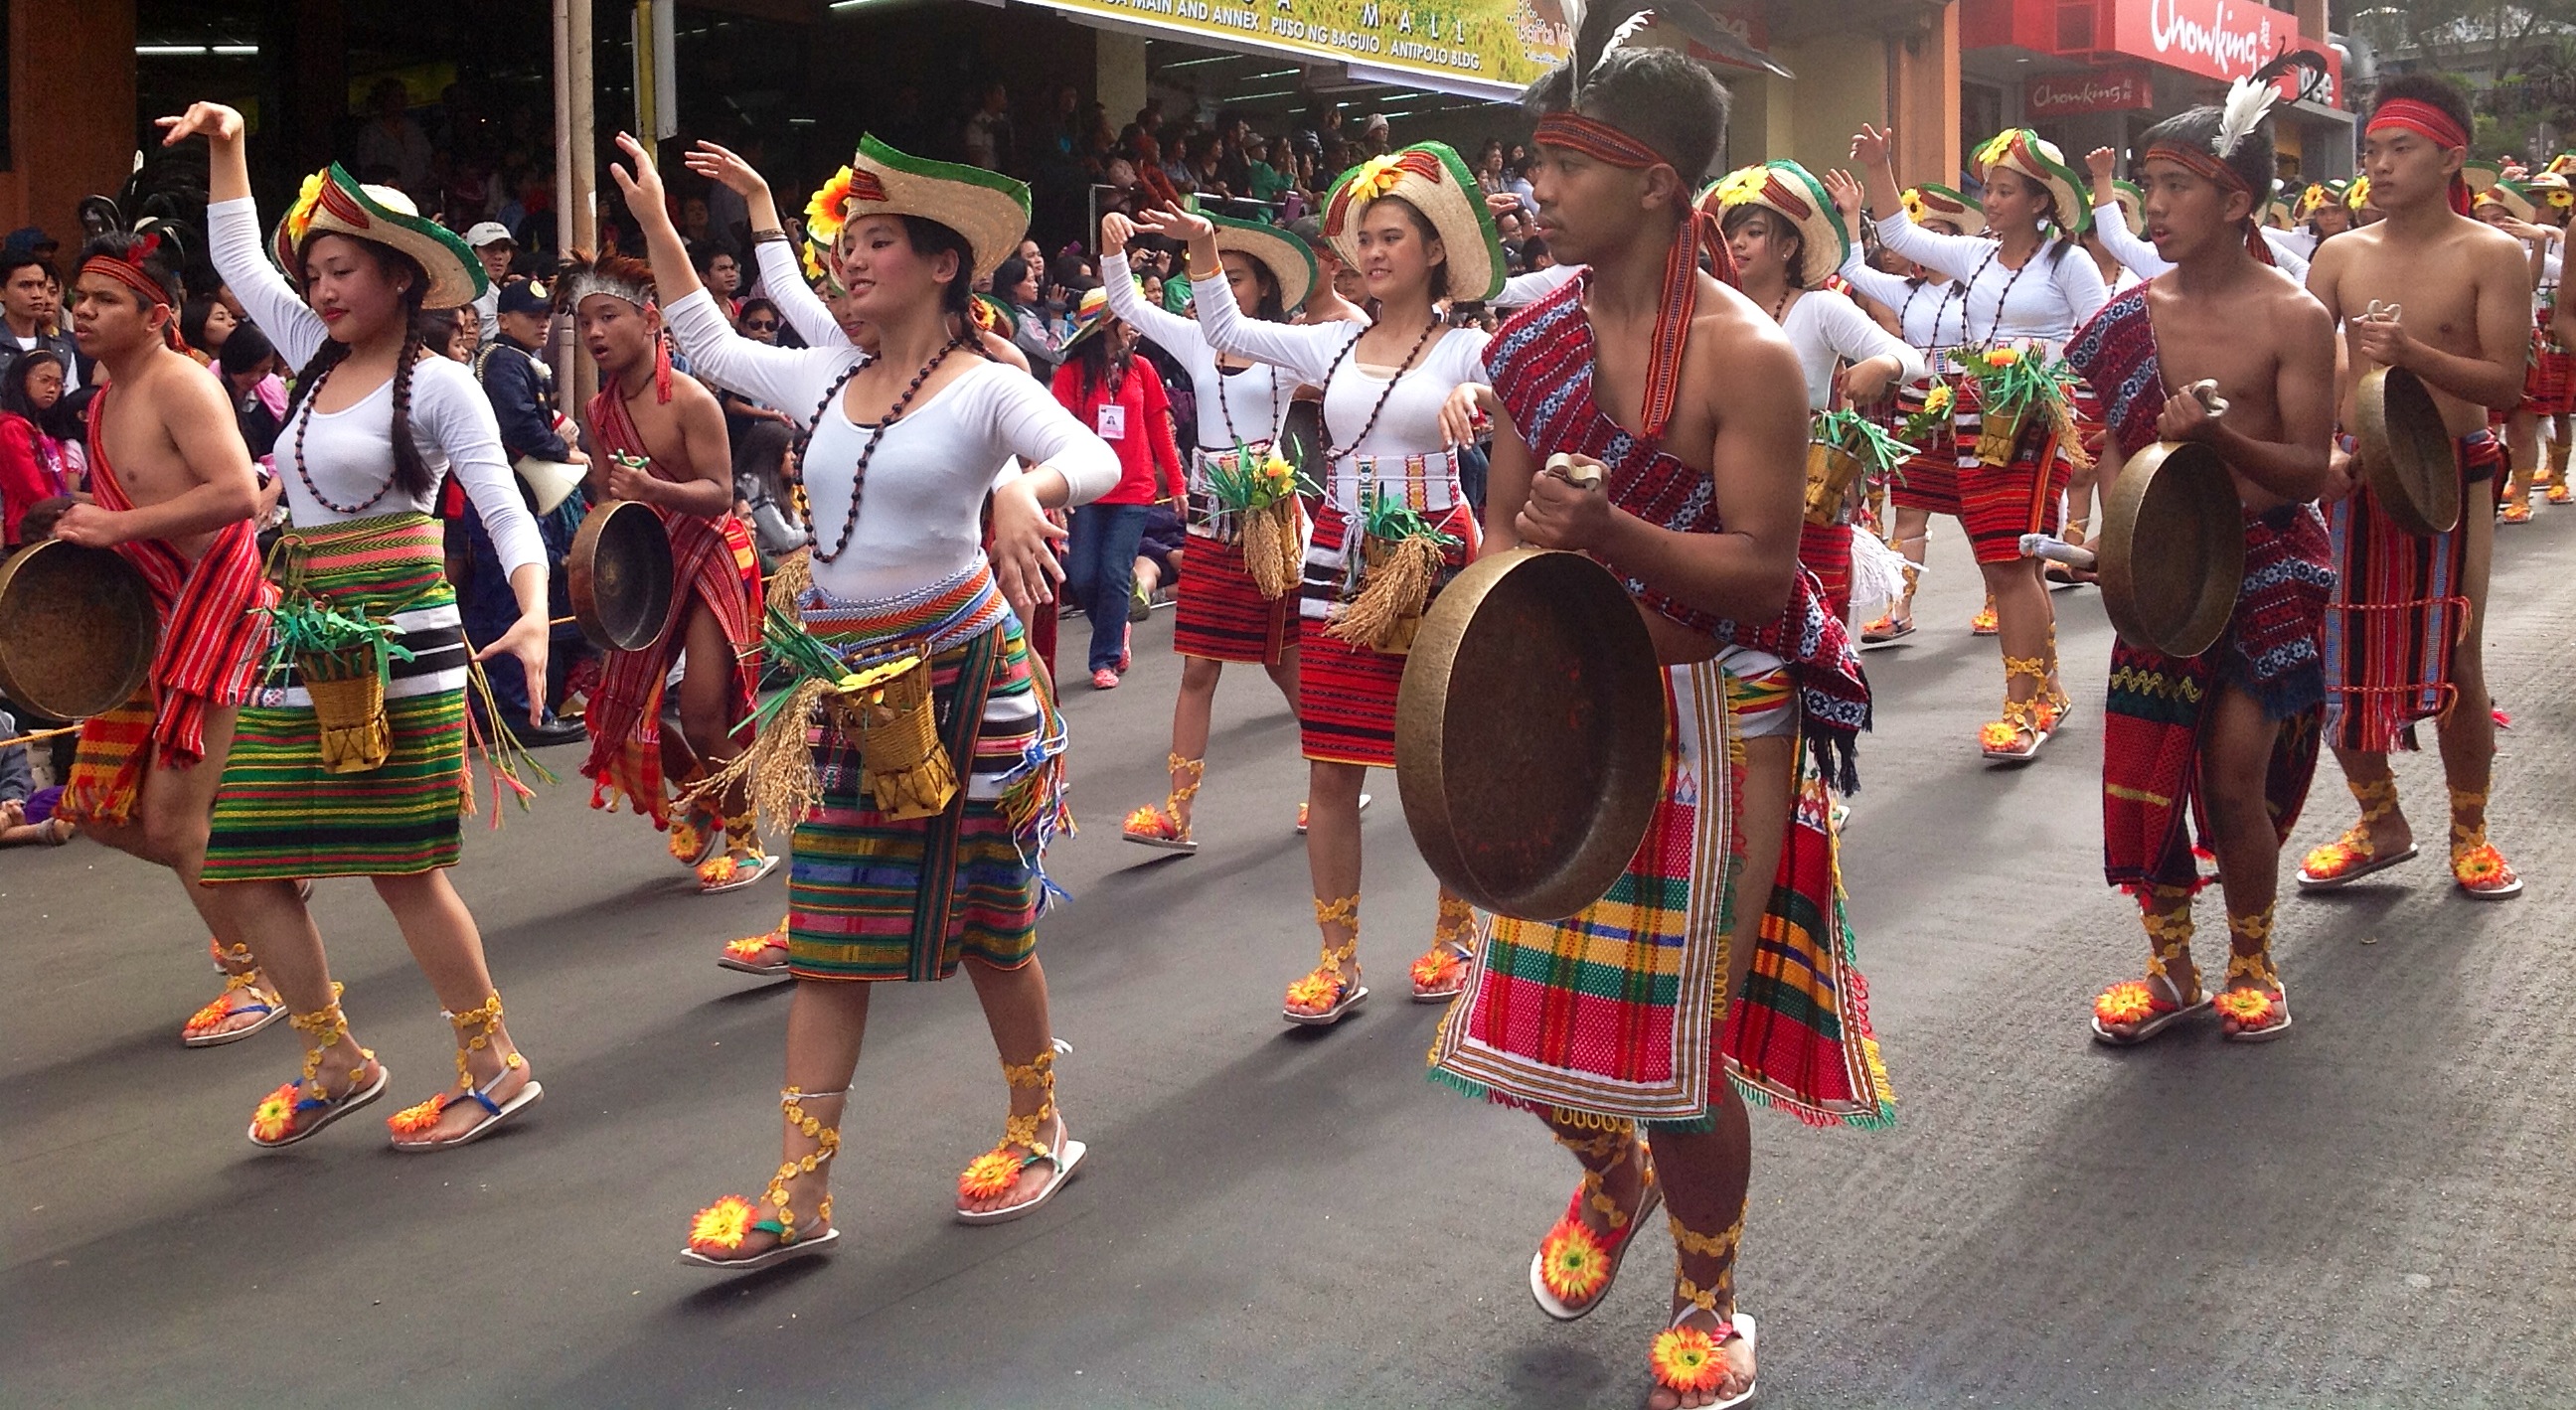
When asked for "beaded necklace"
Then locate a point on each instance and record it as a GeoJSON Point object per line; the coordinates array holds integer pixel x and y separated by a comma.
{"type": "Point", "coordinates": [1331, 455]}
{"type": "Point", "coordinates": [859, 472]}
{"type": "Point", "coordinates": [1994, 329]}
{"type": "Point", "coordinates": [1225, 406]}
{"type": "Point", "coordinates": [304, 422]}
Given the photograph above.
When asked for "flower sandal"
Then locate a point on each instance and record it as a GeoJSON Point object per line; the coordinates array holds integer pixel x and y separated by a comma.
{"type": "Point", "coordinates": [744, 955]}
{"type": "Point", "coordinates": [695, 835]}
{"type": "Point", "coordinates": [2332, 865]}
{"type": "Point", "coordinates": [1441, 973]}
{"type": "Point", "coordinates": [1160, 825]}
{"type": "Point", "coordinates": [1326, 996]}
{"type": "Point", "coordinates": [1571, 1273]}
{"type": "Point", "coordinates": [204, 1028]}
{"type": "Point", "coordinates": [421, 1118]}
{"type": "Point", "coordinates": [996, 1171]}
{"type": "Point", "coordinates": [2149, 1006]}
{"type": "Point", "coordinates": [1690, 1361]}
{"type": "Point", "coordinates": [302, 1108]}
{"type": "Point", "coordinates": [1886, 629]}
{"type": "Point", "coordinates": [2259, 1010]}
{"type": "Point", "coordinates": [721, 1227]}
{"type": "Point", "coordinates": [2477, 868]}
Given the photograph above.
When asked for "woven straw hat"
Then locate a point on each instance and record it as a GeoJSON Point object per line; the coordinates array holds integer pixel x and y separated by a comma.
{"type": "Point", "coordinates": [1430, 177]}
{"type": "Point", "coordinates": [2133, 206]}
{"type": "Point", "coordinates": [2034, 156]}
{"type": "Point", "coordinates": [332, 202]}
{"type": "Point", "coordinates": [1791, 192]}
{"type": "Point", "coordinates": [1274, 249]}
{"type": "Point", "coordinates": [1935, 204]}
{"type": "Point", "coordinates": [989, 209]}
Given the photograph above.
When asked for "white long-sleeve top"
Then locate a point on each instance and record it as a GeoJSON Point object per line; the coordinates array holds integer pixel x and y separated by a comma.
{"type": "Point", "coordinates": [920, 518]}
{"type": "Point", "coordinates": [804, 310]}
{"type": "Point", "coordinates": [1931, 311]}
{"type": "Point", "coordinates": [349, 453]}
{"type": "Point", "coordinates": [2138, 254]}
{"type": "Point", "coordinates": [1826, 327]}
{"type": "Point", "coordinates": [1408, 428]}
{"type": "Point", "coordinates": [2046, 300]}
{"type": "Point", "coordinates": [1522, 290]}
{"type": "Point", "coordinates": [1245, 404]}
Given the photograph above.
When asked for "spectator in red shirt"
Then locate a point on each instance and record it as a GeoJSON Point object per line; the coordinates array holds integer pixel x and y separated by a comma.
{"type": "Point", "coordinates": [40, 455]}
{"type": "Point", "coordinates": [1109, 390]}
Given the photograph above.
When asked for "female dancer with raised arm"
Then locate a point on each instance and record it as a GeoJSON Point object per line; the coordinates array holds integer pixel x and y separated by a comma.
{"type": "Point", "coordinates": [1788, 240]}
{"type": "Point", "coordinates": [821, 326]}
{"type": "Point", "coordinates": [1932, 317]}
{"type": "Point", "coordinates": [2029, 292]}
{"type": "Point", "coordinates": [376, 417]}
{"type": "Point", "coordinates": [1225, 614]}
{"type": "Point", "coordinates": [919, 846]}
{"type": "Point", "coordinates": [1393, 521]}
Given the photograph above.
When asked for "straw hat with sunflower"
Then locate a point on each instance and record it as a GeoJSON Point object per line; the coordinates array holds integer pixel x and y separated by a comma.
{"type": "Point", "coordinates": [332, 202]}
{"type": "Point", "coordinates": [1791, 192]}
{"type": "Point", "coordinates": [2021, 150]}
{"type": "Point", "coordinates": [1433, 180]}
{"type": "Point", "coordinates": [989, 210]}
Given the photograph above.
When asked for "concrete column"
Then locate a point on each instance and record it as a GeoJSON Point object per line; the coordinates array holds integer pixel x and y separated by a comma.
{"type": "Point", "coordinates": [71, 110]}
{"type": "Point", "coordinates": [1119, 75]}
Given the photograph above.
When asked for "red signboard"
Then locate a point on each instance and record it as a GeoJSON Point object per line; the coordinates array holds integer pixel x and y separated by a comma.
{"type": "Point", "coordinates": [2221, 39]}
{"type": "Point", "coordinates": [2092, 91]}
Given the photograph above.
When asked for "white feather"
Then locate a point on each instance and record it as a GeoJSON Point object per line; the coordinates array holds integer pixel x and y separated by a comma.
{"type": "Point", "coordinates": [1878, 573]}
{"type": "Point", "coordinates": [1628, 29]}
{"type": "Point", "coordinates": [2247, 104]}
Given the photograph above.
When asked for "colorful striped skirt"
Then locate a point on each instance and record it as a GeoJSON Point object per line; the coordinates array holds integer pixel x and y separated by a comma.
{"type": "Point", "coordinates": [279, 814]}
{"type": "Point", "coordinates": [871, 896]}
{"type": "Point", "coordinates": [1345, 693]}
{"type": "Point", "coordinates": [2399, 608]}
{"type": "Point", "coordinates": [1622, 1010]}
{"type": "Point", "coordinates": [2000, 503]}
{"type": "Point", "coordinates": [1826, 551]}
{"type": "Point", "coordinates": [1222, 616]}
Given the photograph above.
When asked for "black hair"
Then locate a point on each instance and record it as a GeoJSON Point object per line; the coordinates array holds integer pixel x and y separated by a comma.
{"type": "Point", "coordinates": [245, 349]}
{"type": "Point", "coordinates": [1795, 261]}
{"type": "Point", "coordinates": [120, 245]}
{"type": "Point", "coordinates": [1268, 305]}
{"type": "Point", "coordinates": [702, 258]}
{"type": "Point", "coordinates": [1101, 362]}
{"type": "Point", "coordinates": [1008, 275]}
{"type": "Point", "coordinates": [2440, 90]}
{"type": "Point", "coordinates": [2197, 130]}
{"type": "Point", "coordinates": [763, 301]}
{"type": "Point", "coordinates": [192, 320]}
{"type": "Point", "coordinates": [930, 239]}
{"type": "Point", "coordinates": [438, 329]}
{"type": "Point", "coordinates": [1662, 97]}
{"type": "Point", "coordinates": [411, 472]}
{"type": "Point", "coordinates": [13, 382]}
{"type": "Point", "coordinates": [1423, 226]}
{"type": "Point", "coordinates": [11, 261]}
{"type": "Point", "coordinates": [757, 452]}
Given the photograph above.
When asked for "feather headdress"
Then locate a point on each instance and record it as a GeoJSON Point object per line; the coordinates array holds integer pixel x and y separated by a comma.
{"type": "Point", "coordinates": [2248, 103]}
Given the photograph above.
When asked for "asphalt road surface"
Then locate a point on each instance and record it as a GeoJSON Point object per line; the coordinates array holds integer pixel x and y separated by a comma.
{"type": "Point", "coordinates": [2375, 1211]}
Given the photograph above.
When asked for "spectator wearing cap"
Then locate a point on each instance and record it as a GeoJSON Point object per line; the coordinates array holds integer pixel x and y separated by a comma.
{"type": "Point", "coordinates": [520, 389]}
{"type": "Point", "coordinates": [26, 310]}
{"type": "Point", "coordinates": [496, 248]}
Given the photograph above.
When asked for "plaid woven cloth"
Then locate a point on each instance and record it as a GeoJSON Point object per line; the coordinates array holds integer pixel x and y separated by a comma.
{"type": "Point", "coordinates": [712, 562]}
{"type": "Point", "coordinates": [1620, 1011]}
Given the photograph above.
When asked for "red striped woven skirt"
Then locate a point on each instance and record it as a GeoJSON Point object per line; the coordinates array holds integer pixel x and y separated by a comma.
{"type": "Point", "coordinates": [1930, 480]}
{"type": "Point", "coordinates": [1222, 616]}
{"type": "Point", "coordinates": [1826, 551]}
{"type": "Point", "coordinates": [1345, 693]}
{"type": "Point", "coordinates": [2000, 503]}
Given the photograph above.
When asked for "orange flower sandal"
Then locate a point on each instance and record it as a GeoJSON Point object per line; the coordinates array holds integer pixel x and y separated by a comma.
{"type": "Point", "coordinates": [997, 1170]}
{"type": "Point", "coordinates": [411, 1125]}
{"type": "Point", "coordinates": [744, 955]}
{"type": "Point", "coordinates": [721, 1228]}
{"type": "Point", "coordinates": [1572, 1271]}
{"type": "Point", "coordinates": [1689, 1361]}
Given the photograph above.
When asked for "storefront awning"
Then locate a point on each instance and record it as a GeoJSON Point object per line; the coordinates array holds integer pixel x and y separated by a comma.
{"type": "Point", "coordinates": [1487, 49]}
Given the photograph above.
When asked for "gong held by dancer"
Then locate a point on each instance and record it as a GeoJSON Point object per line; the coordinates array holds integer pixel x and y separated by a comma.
{"type": "Point", "coordinates": [2435, 310]}
{"type": "Point", "coordinates": [1246, 528]}
{"type": "Point", "coordinates": [2222, 410]}
{"type": "Point", "coordinates": [1394, 522]}
{"type": "Point", "coordinates": [172, 493]}
{"type": "Point", "coordinates": [1611, 1024]}
{"type": "Point", "coordinates": [349, 759]}
{"type": "Point", "coordinates": [921, 822]}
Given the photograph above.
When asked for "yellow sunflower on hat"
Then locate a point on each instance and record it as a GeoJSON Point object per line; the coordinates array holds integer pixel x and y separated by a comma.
{"type": "Point", "coordinates": [829, 210]}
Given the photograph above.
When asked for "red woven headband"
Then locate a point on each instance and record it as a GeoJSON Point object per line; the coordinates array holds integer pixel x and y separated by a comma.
{"type": "Point", "coordinates": [127, 269]}
{"type": "Point", "coordinates": [1606, 144]}
{"type": "Point", "coordinates": [2431, 123]}
{"type": "Point", "coordinates": [2203, 163]}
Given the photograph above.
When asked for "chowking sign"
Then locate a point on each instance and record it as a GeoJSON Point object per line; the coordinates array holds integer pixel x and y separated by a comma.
{"type": "Point", "coordinates": [2221, 39]}
{"type": "Point", "coordinates": [2093, 91]}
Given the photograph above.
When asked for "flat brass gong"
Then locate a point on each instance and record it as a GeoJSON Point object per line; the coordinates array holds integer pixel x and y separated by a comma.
{"type": "Point", "coordinates": [2173, 548]}
{"type": "Point", "coordinates": [621, 576]}
{"type": "Point", "coordinates": [77, 629]}
{"type": "Point", "coordinates": [2406, 455]}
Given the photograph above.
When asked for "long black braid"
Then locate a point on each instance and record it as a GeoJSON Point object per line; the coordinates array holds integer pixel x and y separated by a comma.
{"type": "Point", "coordinates": [411, 472]}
